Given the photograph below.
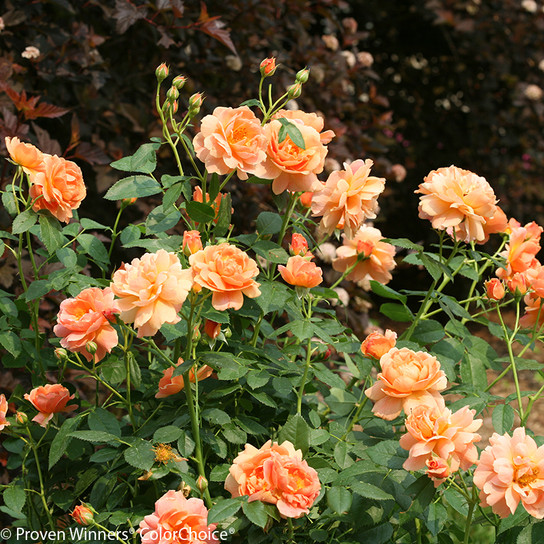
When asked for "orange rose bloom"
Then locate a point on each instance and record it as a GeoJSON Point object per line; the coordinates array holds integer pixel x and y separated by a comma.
{"type": "Point", "coordinates": [3, 412]}
{"type": "Point", "coordinates": [191, 242]}
{"type": "Point", "coordinates": [48, 400]}
{"type": "Point", "coordinates": [299, 245]}
{"type": "Point", "coordinates": [378, 258]}
{"type": "Point", "coordinates": [177, 520]}
{"type": "Point", "coordinates": [437, 470]}
{"type": "Point", "coordinates": [231, 139]}
{"type": "Point", "coordinates": [348, 198]}
{"type": "Point", "coordinates": [86, 318]}
{"type": "Point", "coordinates": [408, 379]}
{"type": "Point", "coordinates": [494, 289]}
{"type": "Point", "coordinates": [58, 187]}
{"type": "Point", "coordinates": [277, 474]}
{"type": "Point", "coordinates": [376, 345]}
{"type": "Point", "coordinates": [301, 273]}
{"type": "Point", "coordinates": [457, 200]}
{"type": "Point", "coordinates": [291, 167]}
{"type": "Point", "coordinates": [169, 385]}
{"type": "Point", "coordinates": [228, 272]}
{"type": "Point", "coordinates": [151, 291]}
{"type": "Point", "coordinates": [438, 431]}
{"type": "Point", "coordinates": [25, 155]}
{"type": "Point", "coordinates": [498, 223]}
{"type": "Point", "coordinates": [212, 329]}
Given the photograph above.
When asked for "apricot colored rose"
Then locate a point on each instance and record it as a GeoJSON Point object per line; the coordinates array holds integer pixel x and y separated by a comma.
{"type": "Point", "coordinates": [498, 223]}
{"type": "Point", "coordinates": [291, 167]}
{"type": "Point", "coordinates": [3, 412]}
{"type": "Point", "coordinates": [494, 289]}
{"type": "Point", "coordinates": [436, 431]}
{"type": "Point", "coordinates": [191, 242]}
{"type": "Point", "coordinates": [231, 139]}
{"type": "Point", "coordinates": [408, 378]}
{"type": "Point", "coordinates": [82, 515]}
{"type": "Point", "coordinates": [376, 344]}
{"type": "Point", "coordinates": [48, 400]}
{"type": "Point", "coordinates": [458, 201]}
{"type": "Point", "coordinates": [169, 385]}
{"type": "Point", "coordinates": [510, 471]}
{"type": "Point", "coordinates": [228, 272]}
{"type": "Point", "coordinates": [212, 329]}
{"type": "Point", "coordinates": [348, 198]}
{"type": "Point", "coordinates": [277, 474]}
{"type": "Point", "coordinates": [437, 470]}
{"type": "Point", "coordinates": [25, 155]}
{"type": "Point", "coordinates": [376, 258]}
{"type": "Point", "coordinates": [310, 120]}
{"type": "Point", "coordinates": [301, 272]}
{"type": "Point", "coordinates": [87, 318]}
{"type": "Point", "coordinates": [177, 520]}
{"type": "Point", "coordinates": [151, 291]}
{"type": "Point", "coordinates": [58, 187]}
{"type": "Point", "coordinates": [306, 199]}
{"type": "Point", "coordinates": [298, 245]}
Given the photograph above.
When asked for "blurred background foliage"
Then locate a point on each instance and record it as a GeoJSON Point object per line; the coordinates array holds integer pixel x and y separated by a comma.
{"type": "Point", "coordinates": [413, 84]}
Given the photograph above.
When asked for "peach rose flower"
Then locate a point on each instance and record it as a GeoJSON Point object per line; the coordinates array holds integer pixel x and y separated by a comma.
{"type": "Point", "coordinates": [291, 167]}
{"type": "Point", "coordinates": [3, 412]}
{"type": "Point", "coordinates": [457, 200]}
{"type": "Point", "coordinates": [437, 470]}
{"type": "Point", "coordinates": [348, 198]}
{"type": "Point", "coordinates": [86, 318]}
{"type": "Point", "coordinates": [376, 258]}
{"type": "Point", "coordinates": [301, 272]}
{"type": "Point", "coordinates": [310, 120]}
{"type": "Point", "coordinates": [498, 223]}
{"type": "Point", "coordinates": [433, 431]}
{"type": "Point", "coordinates": [169, 385]}
{"type": "Point", "coordinates": [228, 272]}
{"type": "Point", "coordinates": [25, 155]}
{"type": "Point", "coordinates": [212, 329]}
{"type": "Point", "coordinates": [494, 289]}
{"type": "Point", "coordinates": [299, 245]}
{"type": "Point", "coordinates": [534, 312]}
{"type": "Point", "coordinates": [231, 139]}
{"type": "Point", "coordinates": [376, 344]}
{"type": "Point", "coordinates": [276, 474]}
{"type": "Point", "coordinates": [511, 469]}
{"type": "Point", "coordinates": [408, 378]}
{"type": "Point", "coordinates": [48, 400]}
{"type": "Point", "coordinates": [191, 242]}
{"type": "Point", "coordinates": [151, 291]}
{"type": "Point", "coordinates": [177, 520]}
{"type": "Point", "coordinates": [58, 187]}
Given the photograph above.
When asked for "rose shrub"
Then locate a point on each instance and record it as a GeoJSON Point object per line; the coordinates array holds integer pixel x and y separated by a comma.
{"type": "Point", "coordinates": [209, 390]}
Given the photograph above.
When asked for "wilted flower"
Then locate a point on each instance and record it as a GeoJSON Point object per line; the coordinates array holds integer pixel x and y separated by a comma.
{"type": "Point", "coordinates": [330, 41]}
{"type": "Point", "coordinates": [398, 172]}
{"type": "Point", "coordinates": [365, 59]}
{"type": "Point", "coordinates": [533, 92]}
{"type": "Point", "coordinates": [510, 471]}
{"type": "Point", "coordinates": [30, 52]}
{"type": "Point", "coordinates": [234, 62]}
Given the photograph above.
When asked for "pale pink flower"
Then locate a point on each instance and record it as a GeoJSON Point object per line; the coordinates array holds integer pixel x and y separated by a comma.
{"type": "Point", "coordinates": [510, 471]}
{"type": "Point", "coordinates": [348, 198]}
{"type": "Point", "coordinates": [436, 431]}
{"type": "Point", "coordinates": [151, 291]}
{"type": "Point", "coordinates": [376, 258]}
{"type": "Point", "coordinates": [459, 201]}
{"type": "Point", "coordinates": [408, 379]}
{"type": "Point", "coordinates": [30, 52]}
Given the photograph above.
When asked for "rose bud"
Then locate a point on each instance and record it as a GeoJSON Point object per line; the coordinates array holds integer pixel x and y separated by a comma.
{"type": "Point", "coordinates": [191, 242]}
{"type": "Point", "coordinates": [268, 67]}
{"type": "Point", "coordinates": [376, 345]}
{"type": "Point", "coordinates": [82, 515]}
{"type": "Point", "coordinates": [161, 72]}
{"type": "Point", "coordinates": [494, 289]}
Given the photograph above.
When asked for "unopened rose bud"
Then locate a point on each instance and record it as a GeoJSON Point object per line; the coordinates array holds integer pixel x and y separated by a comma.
{"type": "Point", "coordinates": [195, 103]}
{"type": "Point", "coordinates": [302, 75]}
{"type": "Point", "coordinates": [83, 515]}
{"type": "Point", "coordinates": [191, 242]}
{"type": "Point", "coordinates": [298, 245]}
{"type": "Point", "coordinates": [494, 289]}
{"type": "Point", "coordinates": [294, 91]}
{"type": "Point", "coordinates": [91, 347]}
{"type": "Point", "coordinates": [178, 82]}
{"type": "Point", "coordinates": [172, 95]}
{"type": "Point", "coordinates": [175, 107]}
{"type": "Point", "coordinates": [212, 329]}
{"type": "Point", "coordinates": [227, 333]}
{"type": "Point", "coordinates": [268, 67]}
{"type": "Point", "coordinates": [306, 199]}
{"type": "Point", "coordinates": [161, 72]}
{"type": "Point", "coordinates": [196, 334]}
{"type": "Point", "coordinates": [61, 354]}
{"type": "Point", "coordinates": [202, 484]}
{"type": "Point", "coordinates": [129, 201]}
{"type": "Point", "coordinates": [21, 418]}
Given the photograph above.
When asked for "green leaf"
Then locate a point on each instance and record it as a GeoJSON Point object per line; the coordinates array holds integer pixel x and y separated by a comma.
{"type": "Point", "coordinates": [288, 128]}
{"type": "Point", "coordinates": [143, 161]}
{"type": "Point", "coordinates": [62, 440]}
{"type": "Point", "coordinates": [396, 312]}
{"type": "Point", "coordinates": [50, 233]}
{"type": "Point", "coordinates": [251, 102]}
{"type": "Point", "coordinates": [95, 436]}
{"type": "Point", "coordinates": [270, 251]}
{"type": "Point", "coordinates": [503, 418]}
{"type": "Point", "coordinates": [259, 181]}
{"type": "Point", "coordinates": [532, 534]}
{"type": "Point", "coordinates": [24, 221]}
{"type": "Point", "coordinates": [436, 518]}
{"type": "Point", "coordinates": [94, 248]}
{"type": "Point", "coordinates": [133, 187]}
{"type": "Point", "coordinates": [339, 499]}
{"type": "Point", "coordinates": [160, 220]}
{"type": "Point", "coordinates": [370, 491]}
{"type": "Point", "coordinates": [67, 256]}
{"type": "Point", "coordinates": [200, 212]}
{"type": "Point", "coordinates": [216, 416]}
{"type": "Point", "coordinates": [10, 342]}
{"type": "Point", "coordinates": [171, 195]}
{"type": "Point", "coordinates": [224, 509]}
{"type": "Point", "coordinates": [37, 289]}
{"type": "Point", "coordinates": [102, 420]}
{"type": "Point", "coordinates": [404, 243]}
{"type": "Point", "coordinates": [140, 454]}
{"type": "Point", "coordinates": [386, 292]}
{"type": "Point", "coordinates": [167, 434]}
{"type": "Point", "coordinates": [14, 497]}
{"type": "Point", "coordinates": [296, 431]}
{"type": "Point", "coordinates": [473, 371]}
{"type": "Point", "coordinates": [431, 265]}
{"type": "Point", "coordinates": [428, 332]}
{"type": "Point", "coordinates": [268, 223]}
{"type": "Point", "coordinates": [256, 512]}
{"type": "Point", "coordinates": [224, 215]}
